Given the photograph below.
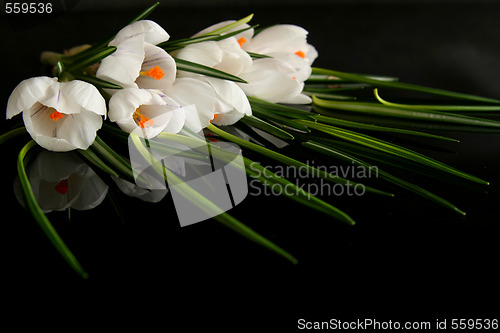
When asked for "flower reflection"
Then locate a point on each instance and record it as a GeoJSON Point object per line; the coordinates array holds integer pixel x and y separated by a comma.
{"type": "Point", "coordinates": [133, 190]}
{"type": "Point", "coordinates": [61, 181]}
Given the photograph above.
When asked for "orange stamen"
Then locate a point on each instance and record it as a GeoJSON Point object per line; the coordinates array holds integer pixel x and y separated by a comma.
{"type": "Point", "coordinates": [142, 120]}
{"type": "Point", "coordinates": [300, 54]}
{"type": "Point", "coordinates": [62, 187]}
{"type": "Point", "coordinates": [215, 117]}
{"type": "Point", "coordinates": [156, 73]}
{"type": "Point", "coordinates": [56, 115]}
{"type": "Point", "coordinates": [242, 41]}
{"type": "Point", "coordinates": [294, 78]}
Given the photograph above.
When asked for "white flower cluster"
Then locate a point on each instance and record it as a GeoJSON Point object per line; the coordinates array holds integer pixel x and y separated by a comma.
{"type": "Point", "coordinates": [156, 97]}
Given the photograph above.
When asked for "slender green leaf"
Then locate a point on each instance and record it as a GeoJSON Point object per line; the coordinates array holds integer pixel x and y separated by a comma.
{"type": "Point", "coordinates": [404, 86]}
{"type": "Point", "coordinates": [286, 122]}
{"type": "Point", "coordinates": [319, 76]}
{"type": "Point", "coordinates": [332, 90]}
{"type": "Point", "coordinates": [95, 160]}
{"type": "Point", "coordinates": [388, 147]}
{"type": "Point", "coordinates": [40, 217]}
{"type": "Point", "coordinates": [330, 96]}
{"type": "Point", "coordinates": [288, 160]}
{"type": "Point", "coordinates": [390, 111]}
{"type": "Point", "coordinates": [192, 67]}
{"type": "Point", "coordinates": [172, 45]}
{"type": "Point", "coordinates": [267, 127]}
{"type": "Point", "coordinates": [144, 14]}
{"type": "Point", "coordinates": [258, 55]}
{"type": "Point", "coordinates": [113, 158]}
{"type": "Point", "coordinates": [283, 110]}
{"type": "Point", "coordinates": [87, 61]}
{"type": "Point", "coordinates": [99, 83]}
{"type": "Point", "coordinates": [330, 151]}
{"type": "Point", "coordinates": [375, 128]}
{"type": "Point", "coordinates": [448, 108]}
{"type": "Point", "coordinates": [234, 33]}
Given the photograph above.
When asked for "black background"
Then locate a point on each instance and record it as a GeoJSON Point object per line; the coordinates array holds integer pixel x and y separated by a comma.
{"type": "Point", "coordinates": [404, 260]}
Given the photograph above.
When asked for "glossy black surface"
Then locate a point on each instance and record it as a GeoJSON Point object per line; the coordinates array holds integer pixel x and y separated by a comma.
{"type": "Point", "coordinates": [404, 259]}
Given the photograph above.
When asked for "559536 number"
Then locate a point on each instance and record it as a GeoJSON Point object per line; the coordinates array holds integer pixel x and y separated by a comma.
{"type": "Point", "coordinates": [474, 324]}
{"type": "Point", "coordinates": [28, 8]}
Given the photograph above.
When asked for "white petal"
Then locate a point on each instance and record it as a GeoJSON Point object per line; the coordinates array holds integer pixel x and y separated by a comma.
{"type": "Point", "coordinates": [178, 118]}
{"type": "Point", "coordinates": [192, 119]}
{"type": "Point", "coordinates": [206, 53]}
{"type": "Point", "coordinates": [150, 31]}
{"type": "Point", "coordinates": [271, 80]}
{"type": "Point", "coordinates": [73, 131]}
{"type": "Point", "coordinates": [271, 86]}
{"type": "Point", "coordinates": [79, 129]}
{"type": "Point", "coordinates": [37, 120]}
{"type": "Point", "coordinates": [282, 37]}
{"type": "Point", "coordinates": [160, 115]}
{"type": "Point", "coordinates": [123, 66]}
{"type": "Point", "coordinates": [234, 59]}
{"type": "Point", "coordinates": [155, 56]}
{"type": "Point", "coordinates": [188, 91]}
{"type": "Point", "coordinates": [302, 69]}
{"type": "Point", "coordinates": [124, 102]}
{"type": "Point", "coordinates": [232, 103]}
{"type": "Point", "coordinates": [84, 94]}
{"type": "Point", "coordinates": [311, 54]}
{"type": "Point", "coordinates": [56, 99]}
{"type": "Point", "coordinates": [27, 93]}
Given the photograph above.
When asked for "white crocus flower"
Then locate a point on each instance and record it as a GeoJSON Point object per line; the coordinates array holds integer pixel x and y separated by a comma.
{"type": "Point", "coordinates": [197, 99]}
{"type": "Point", "coordinates": [273, 80]}
{"type": "Point", "coordinates": [291, 57]}
{"type": "Point", "coordinates": [225, 55]}
{"type": "Point", "coordinates": [145, 112]}
{"type": "Point", "coordinates": [137, 62]}
{"type": "Point", "coordinates": [231, 103]}
{"type": "Point", "coordinates": [282, 40]}
{"type": "Point", "coordinates": [278, 79]}
{"type": "Point", "coordinates": [219, 101]}
{"type": "Point", "coordinates": [59, 116]}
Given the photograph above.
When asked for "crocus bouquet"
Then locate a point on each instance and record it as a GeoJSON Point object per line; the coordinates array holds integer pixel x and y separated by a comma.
{"type": "Point", "coordinates": [176, 97]}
